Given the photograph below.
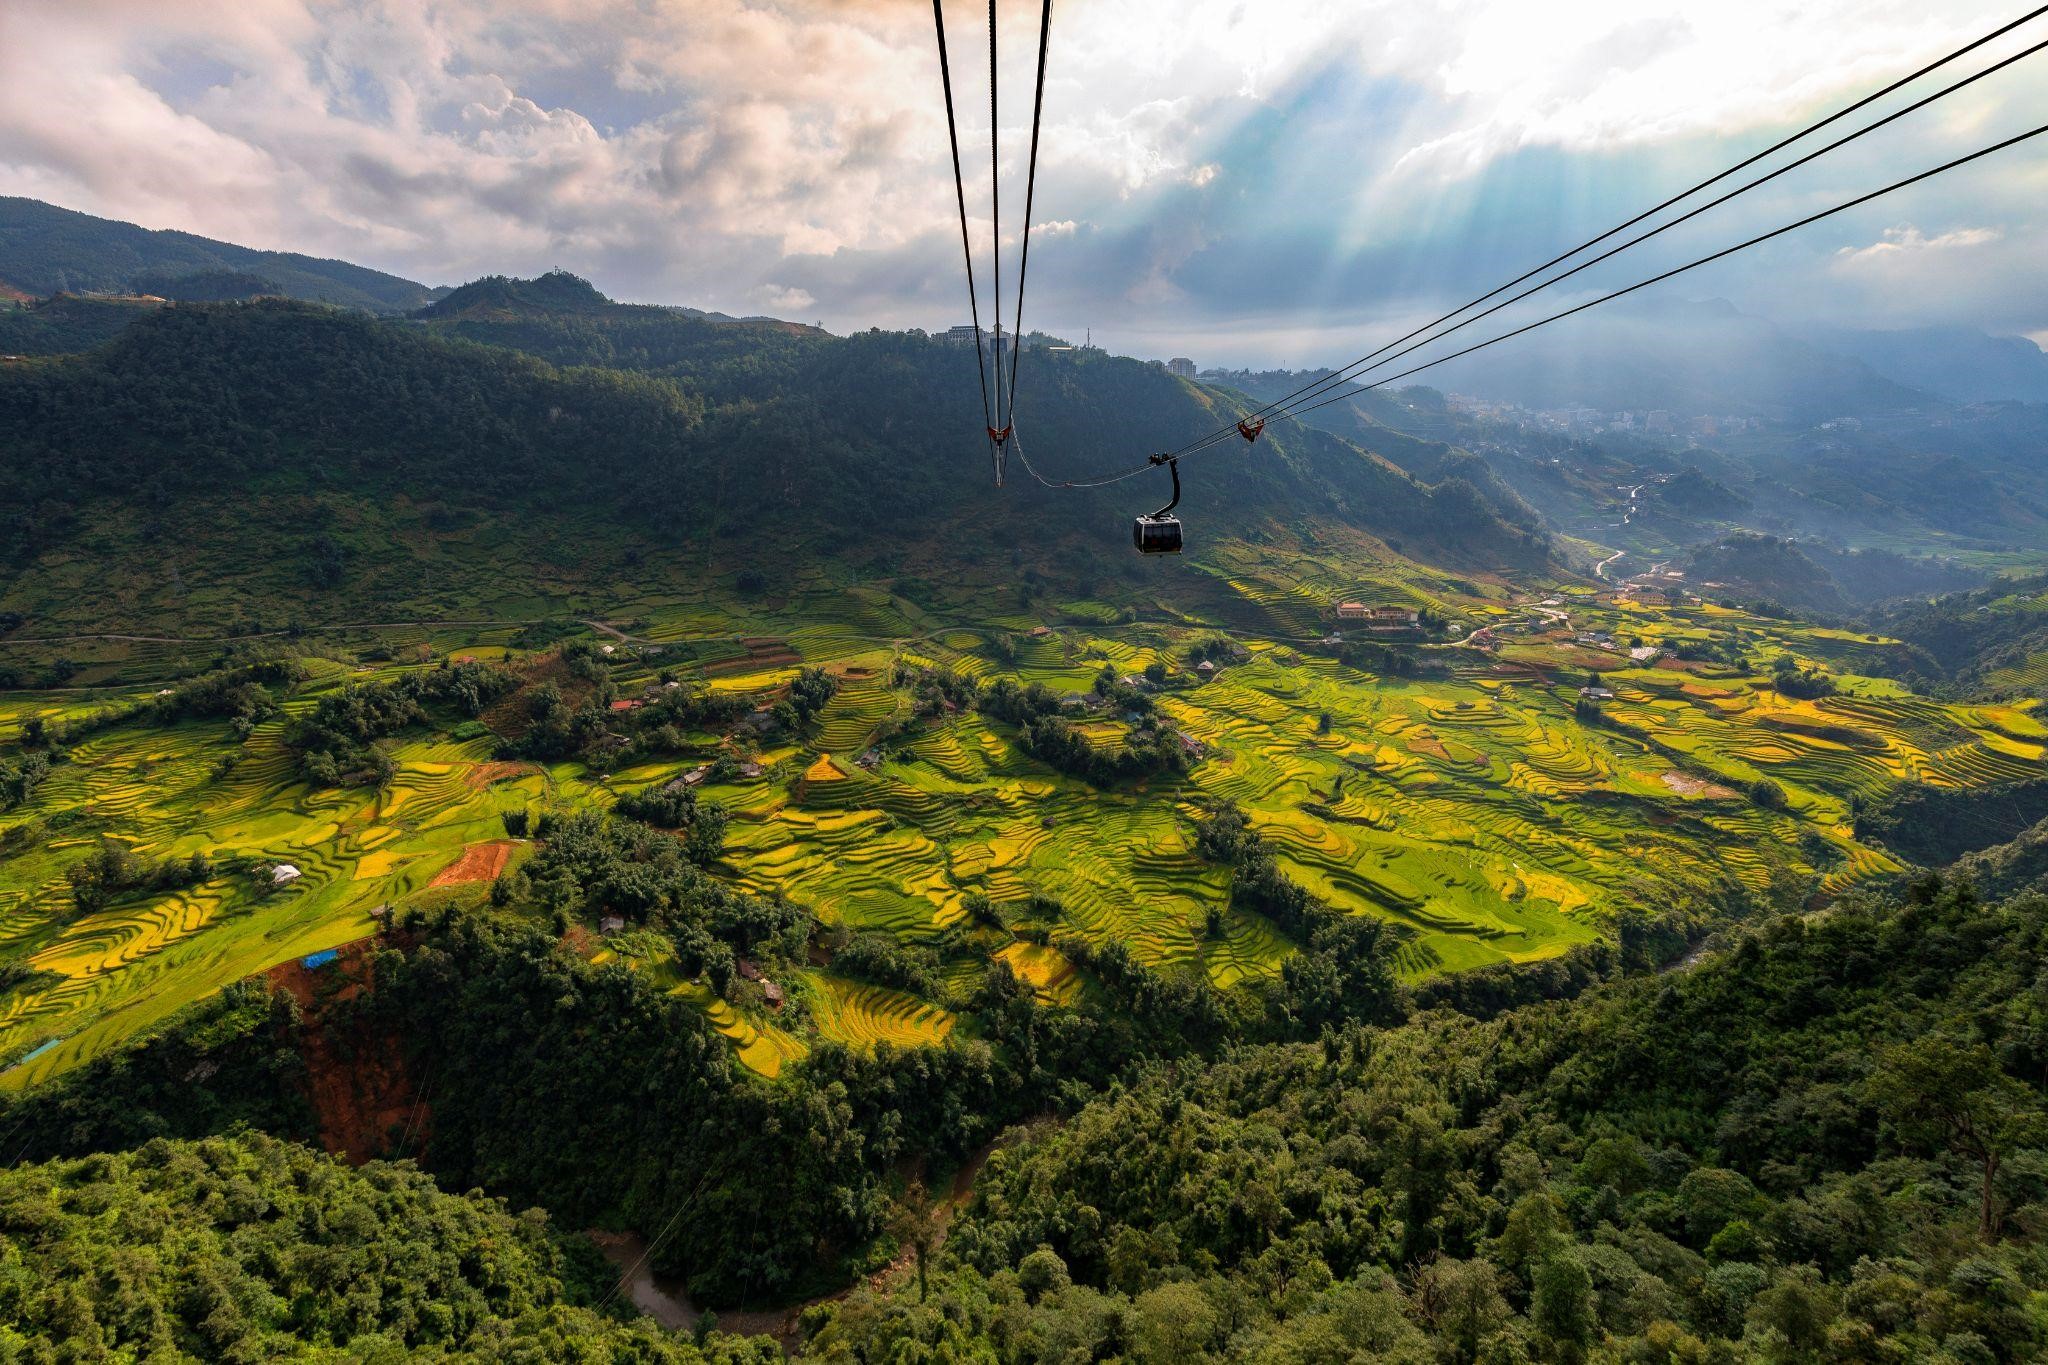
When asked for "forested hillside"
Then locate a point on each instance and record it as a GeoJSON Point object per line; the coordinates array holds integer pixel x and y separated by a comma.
{"type": "Point", "coordinates": [323, 437]}
{"type": "Point", "coordinates": [47, 250]}
{"type": "Point", "coordinates": [1826, 1141]}
{"type": "Point", "coordinates": [245, 1247]}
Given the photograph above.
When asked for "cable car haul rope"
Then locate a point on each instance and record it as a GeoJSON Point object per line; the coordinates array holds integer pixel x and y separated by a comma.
{"type": "Point", "coordinates": [999, 415]}
{"type": "Point", "coordinates": [1159, 532]}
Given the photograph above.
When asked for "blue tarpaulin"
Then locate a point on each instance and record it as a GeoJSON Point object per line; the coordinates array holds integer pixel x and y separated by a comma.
{"type": "Point", "coordinates": [319, 959]}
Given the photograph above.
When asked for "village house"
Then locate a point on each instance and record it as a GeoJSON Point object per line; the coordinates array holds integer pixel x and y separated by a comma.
{"type": "Point", "coordinates": [284, 874]}
{"type": "Point", "coordinates": [611, 924]}
{"type": "Point", "coordinates": [1645, 654]}
{"type": "Point", "coordinates": [1597, 693]}
{"type": "Point", "coordinates": [1207, 668]}
{"type": "Point", "coordinates": [1353, 611]}
{"type": "Point", "coordinates": [1392, 618]}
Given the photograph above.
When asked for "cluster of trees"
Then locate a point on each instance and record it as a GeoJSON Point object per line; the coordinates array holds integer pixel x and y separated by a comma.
{"type": "Point", "coordinates": [591, 865]}
{"type": "Point", "coordinates": [240, 694]}
{"type": "Point", "coordinates": [1807, 684]}
{"type": "Point", "coordinates": [1150, 750]}
{"type": "Point", "coordinates": [113, 869]}
{"type": "Point", "coordinates": [1829, 1143]}
{"type": "Point", "coordinates": [881, 960]}
{"type": "Point", "coordinates": [249, 1248]}
{"type": "Point", "coordinates": [577, 722]}
{"type": "Point", "coordinates": [1344, 972]}
{"type": "Point", "coordinates": [336, 742]}
{"type": "Point", "coordinates": [19, 778]}
{"type": "Point", "coordinates": [1934, 826]}
{"type": "Point", "coordinates": [672, 806]}
{"type": "Point", "coordinates": [809, 691]}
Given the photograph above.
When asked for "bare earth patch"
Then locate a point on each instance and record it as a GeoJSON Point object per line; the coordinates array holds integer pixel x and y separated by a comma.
{"type": "Point", "coordinates": [1687, 785]}
{"type": "Point", "coordinates": [362, 1095]}
{"type": "Point", "coordinates": [478, 863]}
{"type": "Point", "coordinates": [482, 775]}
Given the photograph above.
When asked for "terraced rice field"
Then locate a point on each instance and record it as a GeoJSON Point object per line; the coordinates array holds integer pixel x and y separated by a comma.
{"type": "Point", "coordinates": [1472, 806]}
{"type": "Point", "coordinates": [863, 1016]}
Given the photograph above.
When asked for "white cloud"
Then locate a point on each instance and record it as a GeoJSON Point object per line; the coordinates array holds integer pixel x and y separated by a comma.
{"type": "Point", "coordinates": [784, 298]}
{"type": "Point", "coordinates": [728, 152]}
{"type": "Point", "coordinates": [1900, 241]}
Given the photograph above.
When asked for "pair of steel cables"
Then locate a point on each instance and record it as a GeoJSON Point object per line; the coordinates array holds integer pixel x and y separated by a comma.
{"type": "Point", "coordinates": [998, 416]}
{"type": "Point", "coordinates": [1345, 381]}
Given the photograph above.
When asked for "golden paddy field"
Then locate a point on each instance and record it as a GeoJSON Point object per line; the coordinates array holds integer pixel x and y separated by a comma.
{"type": "Point", "coordinates": [1471, 806]}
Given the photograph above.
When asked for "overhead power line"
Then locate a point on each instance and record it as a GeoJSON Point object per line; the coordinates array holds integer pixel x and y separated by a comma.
{"type": "Point", "coordinates": [960, 196]}
{"type": "Point", "coordinates": [1346, 374]}
{"type": "Point", "coordinates": [1689, 265]}
{"type": "Point", "coordinates": [998, 409]}
{"type": "Point", "coordinates": [1334, 376]}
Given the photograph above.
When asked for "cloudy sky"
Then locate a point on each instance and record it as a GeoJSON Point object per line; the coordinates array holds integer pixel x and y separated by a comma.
{"type": "Point", "coordinates": [1243, 180]}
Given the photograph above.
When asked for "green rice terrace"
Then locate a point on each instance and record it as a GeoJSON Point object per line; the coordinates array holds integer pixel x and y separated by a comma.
{"type": "Point", "coordinates": [1498, 791]}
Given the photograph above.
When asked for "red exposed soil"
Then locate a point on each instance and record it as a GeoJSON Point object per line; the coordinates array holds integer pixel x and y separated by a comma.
{"type": "Point", "coordinates": [362, 1094]}
{"type": "Point", "coordinates": [478, 863]}
{"type": "Point", "coordinates": [484, 774]}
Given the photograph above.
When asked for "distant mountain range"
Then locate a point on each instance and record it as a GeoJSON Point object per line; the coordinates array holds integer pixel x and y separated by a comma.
{"type": "Point", "coordinates": [1955, 362]}
{"type": "Point", "coordinates": [47, 250]}
{"type": "Point", "coordinates": [1709, 359]}
{"type": "Point", "coordinates": [646, 429]}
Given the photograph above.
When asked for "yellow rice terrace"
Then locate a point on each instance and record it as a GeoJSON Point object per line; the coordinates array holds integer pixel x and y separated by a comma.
{"type": "Point", "coordinates": [1025, 791]}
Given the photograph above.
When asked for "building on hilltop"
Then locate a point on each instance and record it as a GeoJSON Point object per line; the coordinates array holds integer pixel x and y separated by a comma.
{"type": "Point", "coordinates": [1181, 366]}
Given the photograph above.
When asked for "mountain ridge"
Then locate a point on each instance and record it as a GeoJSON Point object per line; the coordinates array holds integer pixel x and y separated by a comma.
{"type": "Point", "coordinates": [46, 249]}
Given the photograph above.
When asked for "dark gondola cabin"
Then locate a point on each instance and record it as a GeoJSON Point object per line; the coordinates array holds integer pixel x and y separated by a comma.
{"type": "Point", "coordinates": [1159, 534]}
{"type": "Point", "coordinates": [1156, 535]}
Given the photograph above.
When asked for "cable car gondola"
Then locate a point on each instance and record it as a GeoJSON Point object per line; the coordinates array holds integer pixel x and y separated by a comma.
{"type": "Point", "coordinates": [1159, 534]}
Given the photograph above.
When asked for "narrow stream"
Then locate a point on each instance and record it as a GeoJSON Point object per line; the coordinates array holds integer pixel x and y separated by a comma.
{"type": "Point", "coordinates": [664, 1301]}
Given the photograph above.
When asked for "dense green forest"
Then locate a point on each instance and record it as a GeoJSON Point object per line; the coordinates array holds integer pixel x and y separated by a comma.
{"type": "Point", "coordinates": [1827, 1140]}
{"type": "Point", "coordinates": [250, 1248]}
{"type": "Point", "coordinates": [850, 439]}
{"type": "Point", "coordinates": [1827, 1143]}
